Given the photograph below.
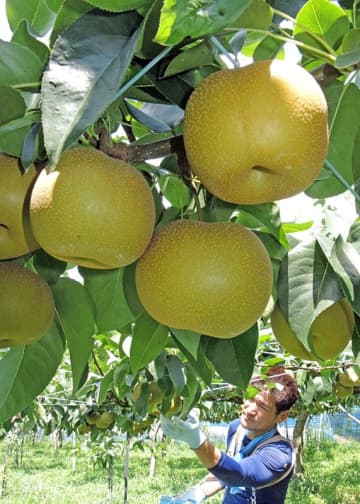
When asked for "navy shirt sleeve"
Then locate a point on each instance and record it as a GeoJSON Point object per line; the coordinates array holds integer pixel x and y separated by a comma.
{"type": "Point", "coordinates": [267, 464]}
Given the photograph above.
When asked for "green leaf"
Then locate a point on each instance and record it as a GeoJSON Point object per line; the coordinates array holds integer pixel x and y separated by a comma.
{"type": "Point", "coordinates": [146, 47]}
{"type": "Point", "coordinates": [345, 260]}
{"type": "Point", "coordinates": [233, 358]}
{"type": "Point", "coordinates": [174, 190]}
{"type": "Point", "coordinates": [160, 365]}
{"type": "Point", "coordinates": [181, 19]}
{"type": "Point", "coordinates": [201, 364]}
{"type": "Point", "coordinates": [33, 146]}
{"type": "Point", "coordinates": [268, 48]}
{"type": "Point", "coordinates": [307, 285]}
{"type": "Point", "coordinates": [217, 210]}
{"type": "Point", "coordinates": [26, 371]}
{"type": "Point", "coordinates": [27, 120]}
{"type": "Point", "coordinates": [106, 290]}
{"type": "Point", "coordinates": [356, 337]}
{"type": "Point", "coordinates": [24, 38]}
{"type": "Point", "coordinates": [344, 111]}
{"type": "Point", "coordinates": [105, 385]}
{"type": "Point", "coordinates": [290, 8]}
{"type": "Point", "coordinates": [192, 391]}
{"type": "Point", "coordinates": [119, 5]}
{"type": "Point", "coordinates": [12, 104]}
{"type": "Point", "coordinates": [86, 68]}
{"type": "Point", "coordinates": [322, 385]}
{"type": "Point", "coordinates": [189, 339]}
{"type": "Point", "coordinates": [258, 15]}
{"type": "Point", "coordinates": [176, 372]}
{"type": "Point", "coordinates": [13, 71]}
{"type": "Point", "coordinates": [307, 395]}
{"type": "Point", "coordinates": [142, 402]}
{"type": "Point", "coordinates": [130, 291]}
{"type": "Point", "coordinates": [351, 40]}
{"type": "Point", "coordinates": [12, 107]}
{"type": "Point", "coordinates": [36, 12]}
{"type": "Point", "coordinates": [149, 339]}
{"type": "Point", "coordinates": [69, 11]}
{"type": "Point", "coordinates": [354, 235]}
{"type": "Point", "coordinates": [323, 18]}
{"type": "Point", "coordinates": [266, 218]}
{"type": "Point", "coordinates": [348, 59]}
{"type": "Point", "coordinates": [121, 372]}
{"type": "Point", "coordinates": [54, 5]}
{"type": "Point", "coordinates": [274, 249]}
{"type": "Point", "coordinates": [13, 133]}
{"type": "Point", "coordinates": [175, 89]}
{"type": "Point", "coordinates": [157, 117]}
{"type": "Point", "coordinates": [48, 267]}
{"type": "Point", "coordinates": [76, 317]}
{"type": "Point", "coordinates": [189, 58]}
{"type": "Point", "coordinates": [294, 227]}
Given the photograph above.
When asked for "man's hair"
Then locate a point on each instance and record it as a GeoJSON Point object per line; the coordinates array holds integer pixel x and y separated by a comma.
{"type": "Point", "coordinates": [285, 390]}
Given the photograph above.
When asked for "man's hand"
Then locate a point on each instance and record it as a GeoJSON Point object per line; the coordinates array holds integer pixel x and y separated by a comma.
{"type": "Point", "coordinates": [187, 431]}
{"type": "Point", "coordinates": [193, 495]}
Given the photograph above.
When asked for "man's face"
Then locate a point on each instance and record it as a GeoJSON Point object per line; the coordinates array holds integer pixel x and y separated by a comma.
{"type": "Point", "coordinates": [259, 415]}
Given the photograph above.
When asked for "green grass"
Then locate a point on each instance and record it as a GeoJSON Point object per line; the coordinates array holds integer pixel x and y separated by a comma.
{"type": "Point", "coordinates": [332, 475]}
{"type": "Point", "coordinates": [46, 475]}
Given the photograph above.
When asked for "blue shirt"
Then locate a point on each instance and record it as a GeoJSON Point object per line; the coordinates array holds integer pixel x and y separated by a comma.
{"type": "Point", "coordinates": [265, 464]}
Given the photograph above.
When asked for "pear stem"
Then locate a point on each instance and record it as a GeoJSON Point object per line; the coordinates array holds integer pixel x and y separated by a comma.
{"type": "Point", "coordinates": [354, 20]}
{"type": "Point", "coordinates": [231, 57]}
{"type": "Point", "coordinates": [142, 72]}
{"type": "Point", "coordinates": [330, 58]}
{"type": "Point", "coordinates": [345, 183]}
{"type": "Point", "coordinates": [315, 36]}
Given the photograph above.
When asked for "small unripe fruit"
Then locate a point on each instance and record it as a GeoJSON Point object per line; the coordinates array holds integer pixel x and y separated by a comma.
{"type": "Point", "coordinates": [104, 420]}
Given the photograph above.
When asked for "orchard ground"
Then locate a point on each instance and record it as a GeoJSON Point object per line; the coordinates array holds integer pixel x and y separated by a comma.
{"type": "Point", "coordinates": [70, 475]}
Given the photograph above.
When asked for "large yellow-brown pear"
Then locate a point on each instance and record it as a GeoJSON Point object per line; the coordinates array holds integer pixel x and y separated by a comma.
{"type": "Point", "coordinates": [211, 278]}
{"type": "Point", "coordinates": [257, 133]}
{"type": "Point", "coordinates": [286, 336]}
{"type": "Point", "coordinates": [330, 332]}
{"type": "Point", "coordinates": [26, 306]}
{"type": "Point", "coordinates": [93, 210]}
{"type": "Point", "coordinates": [16, 236]}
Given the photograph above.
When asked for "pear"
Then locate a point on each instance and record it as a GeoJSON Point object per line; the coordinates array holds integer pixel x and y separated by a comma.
{"type": "Point", "coordinates": [92, 210]}
{"type": "Point", "coordinates": [341, 391]}
{"type": "Point", "coordinates": [16, 236]}
{"type": "Point", "coordinates": [350, 377]}
{"type": "Point", "coordinates": [155, 393]}
{"type": "Point", "coordinates": [330, 332]}
{"type": "Point", "coordinates": [27, 306]}
{"type": "Point", "coordinates": [258, 133]}
{"type": "Point", "coordinates": [214, 278]}
{"type": "Point", "coordinates": [105, 420]}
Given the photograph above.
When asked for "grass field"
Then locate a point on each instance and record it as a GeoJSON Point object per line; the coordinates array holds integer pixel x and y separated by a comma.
{"type": "Point", "coordinates": [46, 475]}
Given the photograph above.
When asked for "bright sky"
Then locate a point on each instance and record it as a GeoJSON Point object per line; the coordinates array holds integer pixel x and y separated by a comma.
{"type": "Point", "coordinates": [5, 32]}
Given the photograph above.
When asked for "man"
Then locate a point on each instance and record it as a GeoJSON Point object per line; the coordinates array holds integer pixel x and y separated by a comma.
{"type": "Point", "coordinates": [259, 462]}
